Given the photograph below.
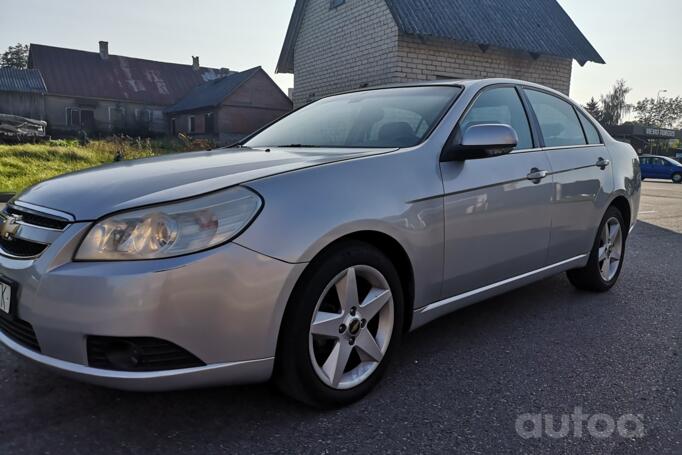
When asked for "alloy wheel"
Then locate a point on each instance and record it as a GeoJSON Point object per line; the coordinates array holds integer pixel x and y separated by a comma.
{"type": "Point", "coordinates": [351, 327]}
{"type": "Point", "coordinates": [610, 249]}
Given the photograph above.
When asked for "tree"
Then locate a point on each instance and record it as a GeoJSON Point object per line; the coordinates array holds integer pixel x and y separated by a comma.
{"type": "Point", "coordinates": [15, 57]}
{"type": "Point", "coordinates": [614, 105]}
{"type": "Point", "coordinates": [594, 109]}
{"type": "Point", "coordinates": [661, 112]}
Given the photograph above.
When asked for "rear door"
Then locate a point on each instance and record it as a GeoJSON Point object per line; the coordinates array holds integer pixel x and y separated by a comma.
{"type": "Point", "coordinates": [645, 166]}
{"type": "Point", "coordinates": [581, 173]}
{"type": "Point", "coordinates": [497, 220]}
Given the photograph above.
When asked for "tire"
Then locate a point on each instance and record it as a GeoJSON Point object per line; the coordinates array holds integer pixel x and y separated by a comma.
{"type": "Point", "coordinates": [595, 276]}
{"type": "Point", "coordinates": [304, 367]}
{"type": "Point", "coordinates": [677, 178]}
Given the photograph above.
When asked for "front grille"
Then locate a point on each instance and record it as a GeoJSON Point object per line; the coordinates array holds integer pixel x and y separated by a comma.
{"type": "Point", "coordinates": [22, 248]}
{"type": "Point", "coordinates": [32, 232]}
{"type": "Point", "coordinates": [37, 220]}
{"type": "Point", "coordinates": [138, 354]}
{"type": "Point", "coordinates": [20, 331]}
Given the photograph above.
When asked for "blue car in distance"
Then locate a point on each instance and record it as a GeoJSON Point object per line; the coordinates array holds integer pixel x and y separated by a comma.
{"type": "Point", "coordinates": [660, 167]}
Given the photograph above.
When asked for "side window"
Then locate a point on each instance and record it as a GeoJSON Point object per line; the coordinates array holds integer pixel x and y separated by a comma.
{"type": "Point", "coordinates": [500, 105]}
{"type": "Point", "coordinates": [590, 130]}
{"type": "Point", "coordinates": [658, 162]}
{"type": "Point", "coordinates": [558, 121]}
{"type": "Point", "coordinates": [645, 161]}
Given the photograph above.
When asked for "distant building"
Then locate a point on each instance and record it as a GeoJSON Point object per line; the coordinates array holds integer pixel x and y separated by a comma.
{"type": "Point", "coordinates": [103, 93]}
{"type": "Point", "coordinates": [337, 45]}
{"type": "Point", "coordinates": [646, 139]}
{"type": "Point", "coordinates": [22, 93]}
{"type": "Point", "coordinates": [229, 108]}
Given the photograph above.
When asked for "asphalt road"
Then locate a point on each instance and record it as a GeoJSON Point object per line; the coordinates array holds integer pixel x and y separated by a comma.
{"type": "Point", "coordinates": [457, 385]}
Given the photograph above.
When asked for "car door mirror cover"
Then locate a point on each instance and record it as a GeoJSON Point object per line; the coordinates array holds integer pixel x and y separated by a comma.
{"type": "Point", "coordinates": [481, 141]}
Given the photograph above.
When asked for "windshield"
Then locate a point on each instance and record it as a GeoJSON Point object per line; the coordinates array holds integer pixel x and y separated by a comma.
{"type": "Point", "coordinates": [385, 118]}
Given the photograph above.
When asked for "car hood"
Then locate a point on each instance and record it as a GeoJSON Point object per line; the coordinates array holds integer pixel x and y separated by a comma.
{"type": "Point", "coordinates": [93, 193]}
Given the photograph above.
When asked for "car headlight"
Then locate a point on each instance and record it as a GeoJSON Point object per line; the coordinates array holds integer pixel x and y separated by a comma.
{"type": "Point", "coordinates": [171, 230]}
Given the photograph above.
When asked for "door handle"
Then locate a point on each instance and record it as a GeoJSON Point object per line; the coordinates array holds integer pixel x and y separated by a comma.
{"type": "Point", "coordinates": [536, 175]}
{"type": "Point", "coordinates": [602, 163]}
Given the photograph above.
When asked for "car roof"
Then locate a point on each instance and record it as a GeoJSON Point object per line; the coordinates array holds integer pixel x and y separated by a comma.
{"type": "Point", "coordinates": [475, 84]}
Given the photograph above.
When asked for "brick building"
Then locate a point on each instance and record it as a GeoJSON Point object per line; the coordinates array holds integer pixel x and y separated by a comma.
{"type": "Point", "coordinates": [337, 45]}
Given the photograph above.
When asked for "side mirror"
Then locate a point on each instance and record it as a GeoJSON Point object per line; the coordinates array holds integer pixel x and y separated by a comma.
{"type": "Point", "coordinates": [481, 141]}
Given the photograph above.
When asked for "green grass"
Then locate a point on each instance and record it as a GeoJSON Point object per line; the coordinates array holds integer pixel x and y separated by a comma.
{"type": "Point", "coordinates": [22, 165]}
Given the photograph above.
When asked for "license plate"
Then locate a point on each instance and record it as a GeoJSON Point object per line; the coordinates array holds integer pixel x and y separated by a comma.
{"type": "Point", "coordinates": [5, 298]}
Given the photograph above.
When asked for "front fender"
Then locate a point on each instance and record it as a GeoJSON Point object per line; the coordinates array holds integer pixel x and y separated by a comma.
{"type": "Point", "coordinates": [398, 194]}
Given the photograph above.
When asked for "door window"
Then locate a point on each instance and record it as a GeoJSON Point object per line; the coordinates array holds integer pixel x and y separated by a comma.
{"type": "Point", "coordinates": [590, 131]}
{"type": "Point", "coordinates": [500, 106]}
{"type": "Point", "coordinates": [558, 120]}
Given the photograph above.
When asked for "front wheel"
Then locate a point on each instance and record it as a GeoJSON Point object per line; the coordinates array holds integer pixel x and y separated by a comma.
{"type": "Point", "coordinates": [606, 258]}
{"type": "Point", "coordinates": [341, 326]}
{"type": "Point", "coordinates": [677, 178]}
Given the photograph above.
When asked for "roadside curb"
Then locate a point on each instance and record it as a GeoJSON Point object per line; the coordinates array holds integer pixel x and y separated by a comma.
{"type": "Point", "coordinates": [5, 197]}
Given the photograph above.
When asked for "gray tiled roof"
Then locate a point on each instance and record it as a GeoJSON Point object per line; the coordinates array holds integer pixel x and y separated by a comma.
{"type": "Point", "coordinates": [212, 93]}
{"type": "Point", "coordinates": [79, 73]}
{"type": "Point", "coordinates": [18, 80]}
{"type": "Point", "coordinates": [535, 26]}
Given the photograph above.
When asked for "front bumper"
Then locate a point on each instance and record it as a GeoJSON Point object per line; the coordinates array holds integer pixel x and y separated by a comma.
{"type": "Point", "coordinates": [224, 306]}
{"type": "Point", "coordinates": [250, 371]}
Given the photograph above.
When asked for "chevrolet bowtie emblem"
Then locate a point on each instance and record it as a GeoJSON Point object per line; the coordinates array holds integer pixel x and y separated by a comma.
{"type": "Point", "coordinates": [9, 227]}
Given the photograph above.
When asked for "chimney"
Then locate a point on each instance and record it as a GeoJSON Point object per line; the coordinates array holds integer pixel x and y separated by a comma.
{"type": "Point", "coordinates": [195, 63]}
{"type": "Point", "coordinates": [104, 50]}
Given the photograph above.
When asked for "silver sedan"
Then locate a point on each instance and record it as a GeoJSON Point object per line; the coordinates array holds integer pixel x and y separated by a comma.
{"type": "Point", "coordinates": [307, 251]}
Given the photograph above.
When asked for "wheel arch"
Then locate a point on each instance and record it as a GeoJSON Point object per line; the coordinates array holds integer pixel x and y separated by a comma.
{"type": "Point", "coordinates": [623, 205]}
{"type": "Point", "coordinates": [393, 250]}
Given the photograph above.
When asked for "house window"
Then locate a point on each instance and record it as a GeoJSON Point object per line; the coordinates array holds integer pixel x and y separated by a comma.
{"type": "Point", "coordinates": [337, 3]}
{"type": "Point", "coordinates": [73, 117]}
{"type": "Point", "coordinates": [116, 116]}
{"type": "Point", "coordinates": [192, 127]}
{"type": "Point", "coordinates": [174, 129]}
{"type": "Point", "coordinates": [143, 115]}
{"type": "Point", "coordinates": [209, 124]}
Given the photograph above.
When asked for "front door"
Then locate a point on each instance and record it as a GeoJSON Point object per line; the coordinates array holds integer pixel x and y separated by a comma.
{"type": "Point", "coordinates": [497, 221]}
{"type": "Point", "coordinates": [661, 169]}
{"type": "Point", "coordinates": [88, 120]}
{"type": "Point", "coordinates": [582, 175]}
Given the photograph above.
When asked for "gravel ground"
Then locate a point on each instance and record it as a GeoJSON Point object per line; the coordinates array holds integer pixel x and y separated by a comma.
{"type": "Point", "coordinates": [457, 385]}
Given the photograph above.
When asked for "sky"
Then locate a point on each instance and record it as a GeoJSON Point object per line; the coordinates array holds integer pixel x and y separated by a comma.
{"type": "Point", "coordinates": [641, 41]}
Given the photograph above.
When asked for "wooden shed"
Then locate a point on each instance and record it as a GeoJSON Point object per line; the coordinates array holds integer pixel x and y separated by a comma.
{"type": "Point", "coordinates": [22, 93]}
{"type": "Point", "coordinates": [229, 108]}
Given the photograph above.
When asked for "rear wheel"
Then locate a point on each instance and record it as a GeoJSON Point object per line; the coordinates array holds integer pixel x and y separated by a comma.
{"type": "Point", "coordinates": [606, 258]}
{"type": "Point", "coordinates": [677, 178]}
{"type": "Point", "coordinates": [342, 324]}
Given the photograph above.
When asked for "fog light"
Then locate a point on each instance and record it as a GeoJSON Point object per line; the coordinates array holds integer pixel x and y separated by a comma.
{"type": "Point", "coordinates": [122, 355]}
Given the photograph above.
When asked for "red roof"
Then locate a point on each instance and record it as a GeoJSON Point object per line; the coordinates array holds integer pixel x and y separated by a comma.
{"type": "Point", "coordinates": [85, 74]}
